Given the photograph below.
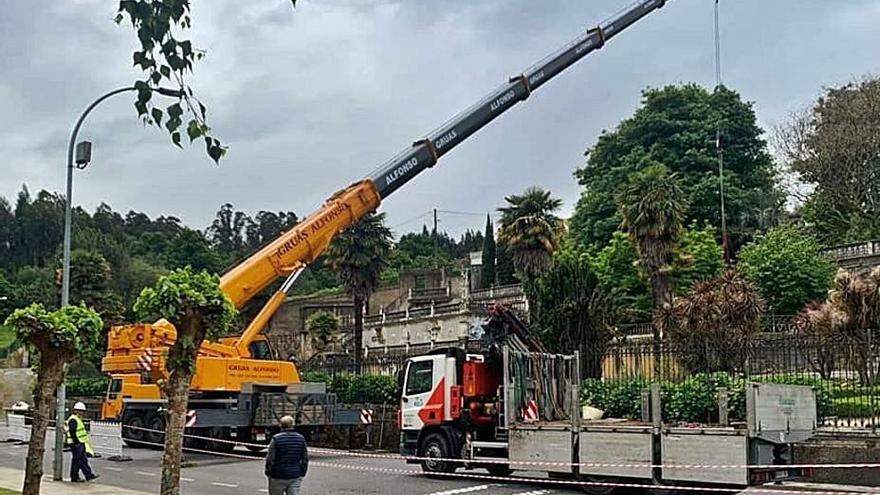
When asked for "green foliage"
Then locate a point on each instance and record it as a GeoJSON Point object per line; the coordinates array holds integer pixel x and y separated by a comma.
{"type": "Point", "coordinates": [34, 285]}
{"type": "Point", "coordinates": [833, 146]}
{"type": "Point", "coordinates": [617, 268]}
{"type": "Point", "coordinates": [360, 254]}
{"type": "Point", "coordinates": [488, 255]}
{"type": "Point", "coordinates": [573, 311]}
{"type": "Point", "coordinates": [676, 126]}
{"type": "Point", "coordinates": [788, 268]}
{"type": "Point", "coordinates": [357, 389]}
{"type": "Point", "coordinates": [856, 407]}
{"type": "Point", "coordinates": [696, 257]}
{"type": "Point", "coordinates": [694, 399]}
{"type": "Point", "coordinates": [183, 292]}
{"type": "Point", "coordinates": [91, 283]}
{"type": "Point", "coordinates": [323, 326]}
{"type": "Point", "coordinates": [195, 305]}
{"type": "Point", "coordinates": [165, 57]}
{"type": "Point", "coordinates": [87, 386]}
{"type": "Point", "coordinates": [530, 230]}
{"type": "Point", "coordinates": [71, 330]}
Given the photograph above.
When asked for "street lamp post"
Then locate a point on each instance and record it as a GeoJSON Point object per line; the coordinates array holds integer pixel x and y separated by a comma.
{"type": "Point", "coordinates": [83, 156]}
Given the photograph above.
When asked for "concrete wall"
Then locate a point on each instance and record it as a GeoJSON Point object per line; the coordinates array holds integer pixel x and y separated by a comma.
{"type": "Point", "coordinates": [842, 449]}
{"type": "Point", "coordinates": [16, 384]}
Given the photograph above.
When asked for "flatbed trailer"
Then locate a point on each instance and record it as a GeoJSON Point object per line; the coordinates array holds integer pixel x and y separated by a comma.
{"type": "Point", "coordinates": [510, 408]}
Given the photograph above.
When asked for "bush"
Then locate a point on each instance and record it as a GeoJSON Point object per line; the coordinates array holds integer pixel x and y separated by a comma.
{"type": "Point", "coordinates": [374, 389]}
{"type": "Point", "coordinates": [696, 398]}
{"type": "Point", "coordinates": [856, 407]}
{"type": "Point", "coordinates": [84, 386]}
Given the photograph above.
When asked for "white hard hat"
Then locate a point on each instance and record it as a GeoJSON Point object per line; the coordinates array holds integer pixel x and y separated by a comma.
{"type": "Point", "coordinates": [79, 406]}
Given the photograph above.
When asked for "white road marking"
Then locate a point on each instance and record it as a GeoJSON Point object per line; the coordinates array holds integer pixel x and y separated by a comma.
{"type": "Point", "coordinates": [456, 491]}
{"type": "Point", "coordinates": [188, 480]}
{"type": "Point", "coordinates": [111, 468]}
{"type": "Point", "coordinates": [144, 473]}
{"type": "Point", "coordinates": [263, 490]}
{"type": "Point", "coordinates": [535, 492]}
{"type": "Point", "coordinates": [224, 485]}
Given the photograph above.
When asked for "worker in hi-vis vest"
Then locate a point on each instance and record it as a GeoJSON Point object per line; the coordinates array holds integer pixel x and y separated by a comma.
{"type": "Point", "coordinates": [80, 447]}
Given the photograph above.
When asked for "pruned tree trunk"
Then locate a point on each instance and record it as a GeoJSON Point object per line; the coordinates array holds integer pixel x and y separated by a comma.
{"type": "Point", "coordinates": [49, 377]}
{"type": "Point", "coordinates": [181, 362]}
{"type": "Point", "coordinates": [661, 297]}
{"type": "Point", "coordinates": [358, 333]}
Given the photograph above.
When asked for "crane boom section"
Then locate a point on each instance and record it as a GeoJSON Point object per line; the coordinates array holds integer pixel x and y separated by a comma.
{"type": "Point", "coordinates": [300, 245]}
{"type": "Point", "coordinates": [426, 152]}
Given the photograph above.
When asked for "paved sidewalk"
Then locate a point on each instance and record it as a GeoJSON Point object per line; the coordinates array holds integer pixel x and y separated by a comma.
{"type": "Point", "coordinates": [12, 479]}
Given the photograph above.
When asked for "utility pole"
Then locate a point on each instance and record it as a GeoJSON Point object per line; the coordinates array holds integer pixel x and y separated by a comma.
{"type": "Point", "coordinates": [436, 263]}
{"type": "Point", "coordinates": [725, 241]}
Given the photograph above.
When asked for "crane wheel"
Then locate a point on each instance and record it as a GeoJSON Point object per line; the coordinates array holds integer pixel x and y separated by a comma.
{"type": "Point", "coordinates": [435, 445]}
{"type": "Point", "coordinates": [156, 424]}
{"type": "Point", "coordinates": [132, 433]}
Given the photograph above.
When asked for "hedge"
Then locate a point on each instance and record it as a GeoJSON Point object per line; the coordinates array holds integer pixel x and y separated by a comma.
{"type": "Point", "coordinates": [84, 386]}
{"type": "Point", "coordinates": [356, 389]}
{"type": "Point", "coordinates": [694, 400]}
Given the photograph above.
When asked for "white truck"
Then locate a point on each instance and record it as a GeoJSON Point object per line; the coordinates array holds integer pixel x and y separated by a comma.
{"type": "Point", "coordinates": [508, 405]}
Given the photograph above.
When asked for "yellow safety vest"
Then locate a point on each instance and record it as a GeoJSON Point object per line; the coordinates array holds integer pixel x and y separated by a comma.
{"type": "Point", "coordinates": [81, 434]}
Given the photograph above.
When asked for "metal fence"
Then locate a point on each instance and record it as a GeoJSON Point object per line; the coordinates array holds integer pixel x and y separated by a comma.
{"type": "Point", "coordinates": [843, 369]}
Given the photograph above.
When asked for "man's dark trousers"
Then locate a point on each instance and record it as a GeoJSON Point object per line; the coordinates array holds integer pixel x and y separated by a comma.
{"type": "Point", "coordinates": [80, 463]}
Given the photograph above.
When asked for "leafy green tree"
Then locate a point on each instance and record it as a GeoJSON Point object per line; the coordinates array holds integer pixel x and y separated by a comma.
{"type": "Point", "coordinates": [789, 269]}
{"type": "Point", "coordinates": [199, 310]}
{"type": "Point", "coordinates": [488, 261]}
{"type": "Point", "coordinates": [266, 226]}
{"type": "Point", "coordinates": [676, 126]}
{"type": "Point", "coordinates": [530, 229]}
{"type": "Point", "coordinates": [167, 58]}
{"type": "Point", "coordinates": [696, 256]}
{"type": "Point", "coordinates": [574, 312]}
{"type": "Point", "coordinates": [505, 273]}
{"type": "Point", "coordinates": [191, 248]}
{"type": "Point", "coordinates": [834, 147]}
{"type": "Point", "coordinates": [91, 283]}
{"type": "Point", "coordinates": [323, 328]}
{"type": "Point", "coordinates": [39, 226]}
{"type": "Point", "coordinates": [359, 255]}
{"type": "Point", "coordinates": [56, 338]}
{"type": "Point", "coordinates": [713, 325]}
{"type": "Point", "coordinates": [227, 232]}
{"type": "Point", "coordinates": [617, 269]}
{"type": "Point", "coordinates": [652, 208]}
{"type": "Point", "coordinates": [34, 285]}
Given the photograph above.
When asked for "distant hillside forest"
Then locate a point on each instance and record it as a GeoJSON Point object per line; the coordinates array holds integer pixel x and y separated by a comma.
{"type": "Point", "coordinates": [115, 255]}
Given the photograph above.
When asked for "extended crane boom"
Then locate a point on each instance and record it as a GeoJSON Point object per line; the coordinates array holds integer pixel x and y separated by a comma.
{"type": "Point", "coordinates": [309, 239]}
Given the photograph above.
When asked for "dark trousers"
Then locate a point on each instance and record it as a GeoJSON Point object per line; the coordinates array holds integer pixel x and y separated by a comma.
{"type": "Point", "coordinates": [80, 463]}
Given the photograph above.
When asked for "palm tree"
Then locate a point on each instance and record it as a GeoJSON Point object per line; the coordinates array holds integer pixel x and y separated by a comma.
{"type": "Point", "coordinates": [653, 208]}
{"type": "Point", "coordinates": [359, 255]}
{"type": "Point", "coordinates": [531, 230]}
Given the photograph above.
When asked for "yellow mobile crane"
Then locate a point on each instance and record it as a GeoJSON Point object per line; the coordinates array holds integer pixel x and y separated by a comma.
{"type": "Point", "coordinates": [237, 392]}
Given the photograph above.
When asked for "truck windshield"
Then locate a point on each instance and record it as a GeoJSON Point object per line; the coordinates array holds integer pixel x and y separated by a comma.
{"type": "Point", "coordinates": [419, 379]}
{"type": "Point", "coordinates": [114, 388]}
{"type": "Point", "coordinates": [260, 350]}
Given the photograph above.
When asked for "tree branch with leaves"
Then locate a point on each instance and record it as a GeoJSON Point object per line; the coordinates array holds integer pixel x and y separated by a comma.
{"type": "Point", "coordinates": [164, 56]}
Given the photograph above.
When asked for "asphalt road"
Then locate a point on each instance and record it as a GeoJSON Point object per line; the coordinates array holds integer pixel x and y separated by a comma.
{"type": "Point", "coordinates": [328, 474]}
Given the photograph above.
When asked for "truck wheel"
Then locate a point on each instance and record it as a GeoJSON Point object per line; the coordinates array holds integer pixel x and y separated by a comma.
{"type": "Point", "coordinates": [156, 425]}
{"type": "Point", "coordinates": [502, 470]}
{"type": "Point", "coordinates": [435, 445]}
{"type": "Point", "coordinates": [598, 489]}
{"type": "Point", "coordinates": [132, 432]}
{"type": "Point", "coordinates": [222, 440]}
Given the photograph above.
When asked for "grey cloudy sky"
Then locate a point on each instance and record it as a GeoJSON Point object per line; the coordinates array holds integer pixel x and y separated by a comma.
{"type": "Point", "coordinates": [314, 98]}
